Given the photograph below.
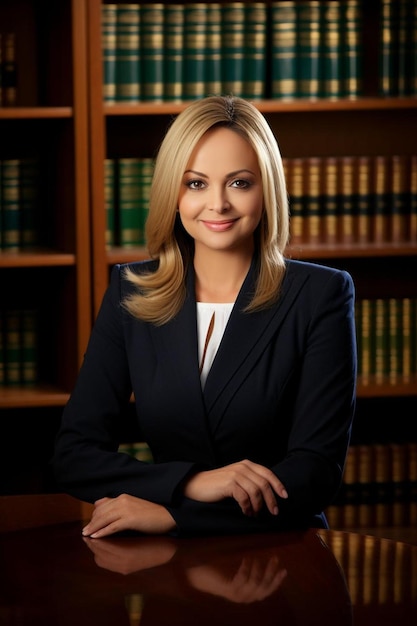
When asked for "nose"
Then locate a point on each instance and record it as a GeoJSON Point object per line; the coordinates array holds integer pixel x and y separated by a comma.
{"type": "Point", "coordinates": [217, 200]}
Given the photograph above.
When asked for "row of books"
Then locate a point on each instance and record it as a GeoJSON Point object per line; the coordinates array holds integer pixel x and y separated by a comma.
{"type": "Point", "coordinates": [19, 204]}
{"type": "Point", "coordinates": [8, 69]}
{"type": "Point", "coordinates": [18, 348]}
{"type": "Point", "coordinates": [284, 49]}
{"type": "Point", "coordinates": [386, 332]}
{"type": "Point", "coordinates": [361, 557]}
{"type": "Point", "coordinates": [127, 187]}
{"type": "Point", "coordinates": [352, 199]}
{"type": "Point", "coordinates": [398, 48]}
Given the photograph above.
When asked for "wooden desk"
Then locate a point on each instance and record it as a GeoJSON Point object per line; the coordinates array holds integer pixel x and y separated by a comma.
{"type": "Point", "coordinates": [51, 576]}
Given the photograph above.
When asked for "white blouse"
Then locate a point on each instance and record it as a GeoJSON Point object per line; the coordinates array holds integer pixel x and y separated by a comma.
{"type": "Point", "coordinates": [211, 322]}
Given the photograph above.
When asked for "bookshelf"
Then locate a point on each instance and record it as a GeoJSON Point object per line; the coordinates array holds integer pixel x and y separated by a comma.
{"type": "Point", "coordinates": [47, 122]}
{"type": "Point", "coordinates": [61, 108]}
{"type": "Point", "coordinates": [372, 125]}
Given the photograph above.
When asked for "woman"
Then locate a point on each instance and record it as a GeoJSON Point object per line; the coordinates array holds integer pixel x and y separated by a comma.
{"type": "Point", "coordinates": [242, 362]}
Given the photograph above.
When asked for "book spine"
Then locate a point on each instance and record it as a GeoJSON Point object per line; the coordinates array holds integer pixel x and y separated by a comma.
{"type": "Point", "coordinates": [381, 198]}
{"type": "Point", "coordinates": [152, 51]}
{"type": "Point", "coordinates": [195, 35]}
{"type": "Point", "coordinates": [399, 198]}
{"type": "Point", "coordinates": [308, 48]}
{"type": "Point", "coordinates": [109, 48]}
{"type": "Point", "coordinates": [128, 66]}
{"type": "Point", "coordinates": [12, 347]}
{"type": "Point", "coordinates": [331, 50]}
{"type": "Point", "coordinates": [413, 199]}
{"type": "Point", "coordinates": [405, 47]}
{"type": "Point", "coordinates": [284, 50]}
{"type": "Point", "coordinates": [381, 351]}
{"type": "Point", "coordinates": [406, 357]}
{"type": "Point", "coordinates": [352, 48]}
{"type": "Point", "coordinates": [347, 199]}
{"type": "Point", "coordinates": [9, 70]}
{"type": "Point", "coordinates": [388, 77]}
{"type": "Point", "coordinates": [363, 199]}
{"type": "Point", "coordinates": [295, 177]}
{"type": "Point", "coordinates": [110, 202]}
{"type": "Point", "coordinates": [255, 42]}
{"type": "Point", "coordinates": [330, 199]}
{"type": "Point", "coordinates": [29, 202]}
{"type": "Point", "coordinates": [131, 234]}
{"type": "Point", "coordinates": [395, 344]}
{"type": "Point", "coordinates": [29, 348]}
{"type": "Point", "coordinates": [312, 197]}
{"type": "Point", "coordinates": [382, 457]}
{"type": "Point", "coordinates": [366, 340]}
{"type": "Point", "coordinates": [11, 216]}
{"type": "Point", "coordinates": [173, 52]}
{"type": "Point", "coordinates": [233, 47]}
{"type": "Point", "coordinates": [213, 61]}
{"type": "Point", "coordinates": [145, 182]}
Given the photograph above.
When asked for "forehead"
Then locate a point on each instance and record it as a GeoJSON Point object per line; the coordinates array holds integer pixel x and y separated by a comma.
{"type": "Point", "coordinates": [223, 147]}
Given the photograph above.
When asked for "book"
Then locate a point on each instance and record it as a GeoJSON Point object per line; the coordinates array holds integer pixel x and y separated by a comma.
{"type": "Point", "coordinates": [195, 37]}
{"type": "Point", "coordinates": [146, 166]}
{"type": "Point", "coordinates": [128, 54]}
{"type": "Point", "coordinates": [213, 58]}
{"type": "Point", "coordinates": [331, 71]}
{"type": "Point", "coordinates": [351, 26]}
{"type": "Point", "coordinates": [346, 194]}
{"type": "Point", "coordinates": [399, 198]}
{"type": "Point", "coordinates": [110, 201]}
{"type": "Point", "coordinates": [330, 199]}
{"type": "Point", "coordinates": [363, 199]}
{"type": "Point", "coordinates": [413, 199]}
{"type": "Point", "coordinates": [394, 340]}
{"type": "Point", "coordinates": [130, 222]}
{"type": "Point", "coordinates": [29, 203]}
{"type": "Point", "coordinates": [29, 348]}
{"type": "Point", "coordinates": [10, 203]}
{"type": "Point", "coordinates": [255, 45]}
{"type": "Point", "coordinates": [294, 173]}
{"type": "Point", "coordinates": [308, 49]}
{"type": "Point", "coordinates": [12, 347]}
{"type": "Point", "coordinates": [233, 48]}
{"type": "Point", "coordinates": [109, 47]}
{"type": "Point", "coordinates": [312, 199]}
{"type": "Point", "coordinates": [173, 52]}
{"type": "Point", "coordinates": [381, 198]}
{"type": "Point", "coordinates": [152, 51]}
{"type": "Point", "coordinates": [284, 50]}
{"type": "Point", "coordinates": [379, 325]}
{"type": "Point", "coordinates": [9, 70]}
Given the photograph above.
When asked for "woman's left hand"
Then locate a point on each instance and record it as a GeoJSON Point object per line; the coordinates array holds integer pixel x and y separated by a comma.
{"type": "Point", "coordinates": [113, 515]}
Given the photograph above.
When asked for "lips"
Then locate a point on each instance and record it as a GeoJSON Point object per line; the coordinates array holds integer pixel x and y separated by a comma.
{"type": "Point", "coordinates": [219, 226]}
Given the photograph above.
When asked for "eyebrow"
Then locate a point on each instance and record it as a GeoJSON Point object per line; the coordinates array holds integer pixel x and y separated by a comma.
{"type": "Point", "coordinates": [230, 175]}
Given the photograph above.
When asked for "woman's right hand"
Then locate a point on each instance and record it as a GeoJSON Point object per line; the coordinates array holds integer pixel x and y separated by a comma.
{"type": "Point", "coordinates": [253, 486]}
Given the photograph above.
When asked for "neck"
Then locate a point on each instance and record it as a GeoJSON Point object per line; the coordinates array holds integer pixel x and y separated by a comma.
{"type": "Point", "coordinates": [219, 276]}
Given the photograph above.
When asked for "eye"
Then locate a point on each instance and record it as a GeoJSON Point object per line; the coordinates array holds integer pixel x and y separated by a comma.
{"type": "Point", "coordinates": [194, 184]}
{"type": "Point", "coordinates": [241, 183]}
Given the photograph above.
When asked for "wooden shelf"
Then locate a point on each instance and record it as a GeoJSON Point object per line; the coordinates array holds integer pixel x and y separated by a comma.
{"type": "Point", "coordinates": [36, 258]}
{"type": "Point", "coordinates": [35, 113]}
{"type": "Point", "coordinates": [25, 397]}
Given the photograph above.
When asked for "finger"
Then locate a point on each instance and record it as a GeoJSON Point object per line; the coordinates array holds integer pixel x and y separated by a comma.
{"type": "Point", "coordinates": [275, 483]}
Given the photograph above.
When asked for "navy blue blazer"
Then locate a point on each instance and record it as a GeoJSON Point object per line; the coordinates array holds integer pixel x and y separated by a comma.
{"type": "Point", "coordinates": [281, 392]}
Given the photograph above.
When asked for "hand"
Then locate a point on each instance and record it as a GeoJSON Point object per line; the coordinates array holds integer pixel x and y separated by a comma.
{"type": "Point", "coordinates": [126, 556]}
{"type": "Point", "coordinates": [250, 484]}
{"type": "Point", "coordinates": [112, 515]}
{"type": "Point", "coordinates": [256, 578]}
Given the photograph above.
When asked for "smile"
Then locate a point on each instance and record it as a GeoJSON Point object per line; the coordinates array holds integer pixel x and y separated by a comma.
{"type": "Point", "coordinates": [218, 226]}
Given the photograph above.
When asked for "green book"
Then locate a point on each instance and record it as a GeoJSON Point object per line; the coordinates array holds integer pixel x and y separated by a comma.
{"type": "Point", "coordinates": [381, 350]}
{"type": "Point", "coordinates": [331, 51]}
{"type": "Point", "coordinates": [152, 51]}
{"type": "Point", "coordinates": [233, 48]}
{"type": "Point", "coordinates": [128, 51]}
{"type": "Point", "coordinates": [284, 50]}
{"type": "Point", "coordinates": [29, 202]}
{"type": "Point", "coordinates": [352, 48]}
{"type": "Point", "coordinates": [213, 60]}
{"type": "Point", "coordinates": [145, 182]}
{"type": "Point", "coordinates": [195, 43]}
{"type": "Point", "coordinates": [308, 49]}
{"type": "Point", "coordinates": [10, 201]}
{"type": "Point", "coordinates": [130, 224]}
{"type": "Point", "coordinates": [12, 347]}
{"type": "Point", "coordinates": [110, 202]}
{"type": "Point", "coordinates": [173, 52]}
{"type": "Point", "coordinates": [108, 47]}
{"type": "Point", "coordinates": [256, 20]}
{"type": "Point", "coordinates": [29, 348]}
{"type": "Point", "coordinates": [407, 46]}
{"type": "Point", "coordinates": [388, 54]}
{"type": "Point", "coordinates": [395, 340]}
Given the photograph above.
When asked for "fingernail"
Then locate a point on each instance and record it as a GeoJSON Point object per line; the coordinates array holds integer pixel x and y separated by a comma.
{"type": "Point", "coordinates": [275, 511]}
{"type": "Point", "coordinates": [284, 494]}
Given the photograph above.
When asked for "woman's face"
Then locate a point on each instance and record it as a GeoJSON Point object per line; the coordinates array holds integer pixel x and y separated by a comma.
{"type": "Point", "coordinates": [221, 198]}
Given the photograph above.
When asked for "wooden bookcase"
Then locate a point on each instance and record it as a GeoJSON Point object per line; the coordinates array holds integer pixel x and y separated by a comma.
{"type": "Point", "coordinates": [62, 113]}
{"type": "Point", "coordinates": [370, 125]}
{"type": "Point", "coordinates": [47, 122]}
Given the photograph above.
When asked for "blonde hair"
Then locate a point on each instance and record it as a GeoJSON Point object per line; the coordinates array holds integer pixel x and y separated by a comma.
{"type": "Point", "coordinates": [160, 294]}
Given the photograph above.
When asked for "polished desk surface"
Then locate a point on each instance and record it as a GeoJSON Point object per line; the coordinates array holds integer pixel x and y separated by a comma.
{"type": "Point", "coordinates": [51, 575]}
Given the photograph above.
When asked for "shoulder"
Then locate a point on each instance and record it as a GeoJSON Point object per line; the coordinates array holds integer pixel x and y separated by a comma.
{"type": "Point", "coordinates": [319, 281]}
{"type": "Point", "coordinates": [316, 271]}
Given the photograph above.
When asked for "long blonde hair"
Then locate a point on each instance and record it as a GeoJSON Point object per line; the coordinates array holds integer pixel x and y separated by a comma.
{"type": "Point", "coordinates": [160, 294]}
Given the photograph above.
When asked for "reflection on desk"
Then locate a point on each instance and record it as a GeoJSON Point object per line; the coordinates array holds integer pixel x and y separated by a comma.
{"type": "Point", "coordinates": [52, 576]}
